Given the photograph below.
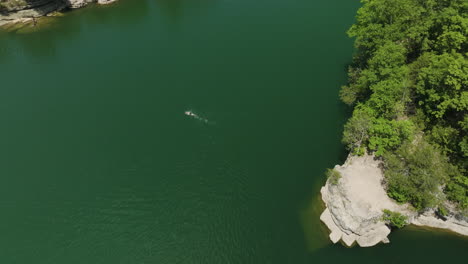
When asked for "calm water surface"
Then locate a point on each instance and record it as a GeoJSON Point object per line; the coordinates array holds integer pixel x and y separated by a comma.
{"type": "Point", "coordinates": [100, 165]}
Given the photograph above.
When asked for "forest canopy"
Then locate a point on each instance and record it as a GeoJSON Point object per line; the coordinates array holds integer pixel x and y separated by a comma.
{"type": "Point", "coordinates": [408, 89]}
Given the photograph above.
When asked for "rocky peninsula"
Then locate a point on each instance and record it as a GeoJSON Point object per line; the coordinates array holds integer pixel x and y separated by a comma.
{"type": "Point", "coordinates": [21, 11]}
{"type": "Point", "coordinates": [355, 202]}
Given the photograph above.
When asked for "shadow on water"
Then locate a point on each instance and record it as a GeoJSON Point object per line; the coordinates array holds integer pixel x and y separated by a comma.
{"type": "Point", "coordinates": [315, 231]}
{"type": "Point", "coordinates": [40, 39]}
{"type": "Point", "coordinates": [409, 245]}
{"type": "Point", "coordinates": [35, 43]}
{"type": "Point", "coordinates": [121, 13]}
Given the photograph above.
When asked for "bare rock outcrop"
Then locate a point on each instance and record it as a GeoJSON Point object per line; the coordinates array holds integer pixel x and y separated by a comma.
{"type": "Point", "coordinates": [451, 223]}
{"type": "Point", "coordinates": [354, 206]}
{"type": "Point", "coordinates": [82, 3]}
{"type": "Point", "coordinates": [14, 11]}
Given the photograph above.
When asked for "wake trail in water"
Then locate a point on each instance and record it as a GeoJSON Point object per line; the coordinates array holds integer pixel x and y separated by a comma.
{"type": "Point", "coordinates": [195, 116]}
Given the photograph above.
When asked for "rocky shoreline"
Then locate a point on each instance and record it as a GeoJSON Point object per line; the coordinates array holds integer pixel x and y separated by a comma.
{"type": "Point", "coordinates": [22, 11]}
{"type": "Point", "coordinates": [354, 206]}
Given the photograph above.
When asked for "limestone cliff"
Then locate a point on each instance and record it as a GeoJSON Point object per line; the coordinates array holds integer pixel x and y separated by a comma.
{"type": "Point", "coordinates": [12, 11]}
{"type": "Point", "coordinates": [355, 203]}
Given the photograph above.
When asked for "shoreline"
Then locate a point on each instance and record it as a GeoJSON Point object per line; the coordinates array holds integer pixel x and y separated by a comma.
{"type": "Point", "coordinates": [24, 12]}
{"type": "Point", "coordinates": [436, 229]}
{"type": "Point", "coordinates": [354, 204]}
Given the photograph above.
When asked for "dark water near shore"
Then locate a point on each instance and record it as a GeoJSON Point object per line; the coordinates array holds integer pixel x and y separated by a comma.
{"type": "Point", "coordinates": [100, 165]}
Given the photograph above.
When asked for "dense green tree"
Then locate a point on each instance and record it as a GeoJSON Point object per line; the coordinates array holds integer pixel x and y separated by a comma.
{"type": "Point", "coordinates": [449, 26]}
{"type": "Point", "coordinates": [356, 130]}
{"type": "Point", "coordinates": [442, 82]}
{"type": "Point", "coordinates": [389, 134]}
{"type": "Point", "coordinates": [415, 172]}
{"type": "Point", "coordinates": [358, 87]}
{"type": "Point", "coordinates": [364, 131]}
{"type": "Point", "coordinates": [464, 138]}
{"type": "Point", "coordinates": [378, 21]}
{"type": "Point", "coordinates": [408, 85]}
{"type": "Point", "coordinates": [446, 137]}
{"type": "Point", "coordinates": [457, 190]}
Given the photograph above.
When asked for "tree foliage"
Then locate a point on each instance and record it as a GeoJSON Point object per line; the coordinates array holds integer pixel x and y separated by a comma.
{"type": "Point", "coordinates": [415, 173]}
{"type": "Point", "coordinates": [408, 85]}
{"type": "Point", "coordinates": [394, 219]}
{"type": "Point", "coordinates": [441, 82]}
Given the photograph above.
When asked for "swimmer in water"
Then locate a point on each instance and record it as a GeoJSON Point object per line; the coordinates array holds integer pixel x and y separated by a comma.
{"type": "Point", "coordinates": [192, 114]}
{"type": "Point", "coordinates": [189, 113]}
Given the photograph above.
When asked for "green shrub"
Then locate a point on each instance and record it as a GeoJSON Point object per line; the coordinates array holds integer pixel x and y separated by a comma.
{"type": "Point", "coordinates": [457, 190]}
{"type": "Point", "coordinates": [442, 211]}
{"type": "Point", "coordinates": [394, 219]}
{"type": "Point", "coordinates": [333, 176]}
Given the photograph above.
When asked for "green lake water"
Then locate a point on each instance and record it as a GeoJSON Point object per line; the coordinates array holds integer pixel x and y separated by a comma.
{"type": "Point", "coordinates": [99, 164]}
